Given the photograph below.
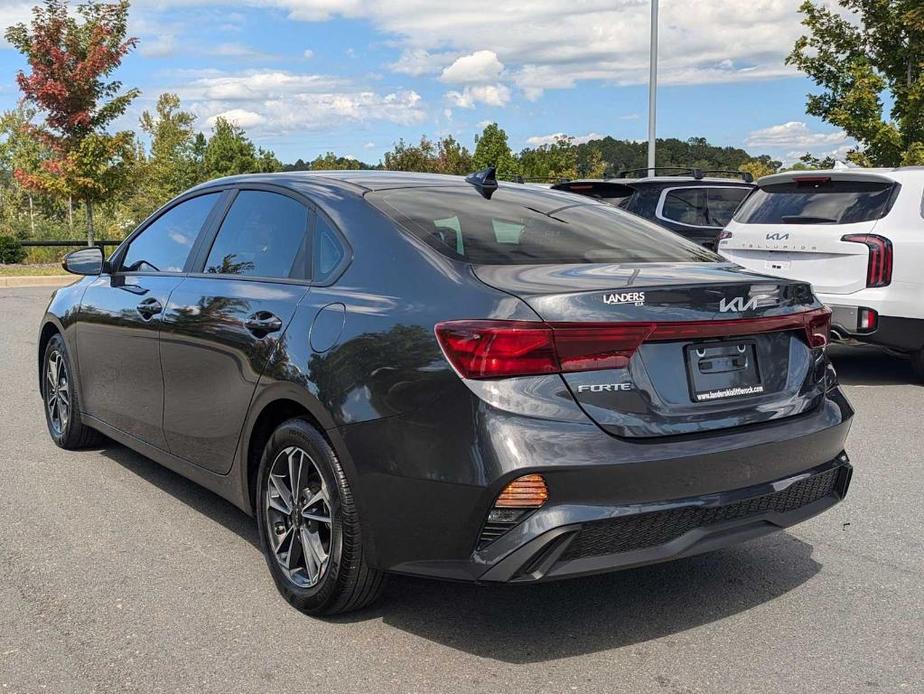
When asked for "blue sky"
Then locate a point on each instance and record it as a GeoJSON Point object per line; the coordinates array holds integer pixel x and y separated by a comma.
{"type": "Point", "coordinates": [352, 76]}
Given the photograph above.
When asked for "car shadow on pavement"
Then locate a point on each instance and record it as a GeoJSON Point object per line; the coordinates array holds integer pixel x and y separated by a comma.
{"type": "Point", "coordinates": [870, 366]}
{"type": "Point", "coordinates": [536, 623]}
{"type": "Point", "coordinates": [541, 622]}
{"type": "Point", "coordinates": [198, 498]}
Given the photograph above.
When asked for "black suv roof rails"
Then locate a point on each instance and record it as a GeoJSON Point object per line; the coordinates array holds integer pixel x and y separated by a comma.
{"type": "Point", "coordinates": [684, 171]}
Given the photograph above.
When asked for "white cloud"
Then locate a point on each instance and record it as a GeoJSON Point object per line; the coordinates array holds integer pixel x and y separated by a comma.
{"type": "Point", "coordinates": [793, 135]}
{"type": "Point", "coordinates": [308, 54]}
{"type": "Point", "coordinates": [239, 117]}
{"type": "Point", "coordinates": [158, 47]}
{"type": "Point", "coordinates": [275, 101]}
{"type": "Point", "coordinates": [553, 44]}
{"type": "Point", "coordinates": [487, 94]}
{"type": "Point", "coordinates": [539, 140]}
{"type": "Point", "coordinates": [369, 145]}
{"type": "Point", "coordinates": [417, 61]}
{"type": "Point", "coordinates": [478, 68]}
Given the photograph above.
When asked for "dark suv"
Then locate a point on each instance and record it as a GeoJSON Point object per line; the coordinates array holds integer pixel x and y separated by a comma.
{"type": "Point", "coordinates": [689, 202]}
{"type": "Point", "coordinates": [445, 377]}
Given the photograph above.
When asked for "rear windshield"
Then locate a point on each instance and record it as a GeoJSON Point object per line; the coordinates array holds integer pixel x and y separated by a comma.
{"type": "Point", "coordinates": [817, 201]}
{"type": "Point", "coordinates": [510, 229]}
{"type": "Point", "coordinates": [702, 207]}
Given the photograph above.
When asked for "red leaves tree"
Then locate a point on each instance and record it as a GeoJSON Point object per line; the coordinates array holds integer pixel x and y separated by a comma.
{"type": "Point", "coordinates": [70, 60]}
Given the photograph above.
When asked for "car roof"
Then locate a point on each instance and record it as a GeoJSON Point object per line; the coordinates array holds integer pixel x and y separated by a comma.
{"type": "Point", "coordinates": [899, 174]}
{"type": "Point", "coordinates": [360, 182]}
{"type": "Point", "coordinates": [706, 180]}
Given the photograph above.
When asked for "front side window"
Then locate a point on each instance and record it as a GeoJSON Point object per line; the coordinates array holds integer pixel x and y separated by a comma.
{"type": "Point", "coordinates": [702, 207]}
{"type": "Point", "coordinates": [263, 235]}
{"type": "Point", "coordinates": [817, 200]}
{"type": "Point", "coordinates": [512, 229]}
{"type": "Point", "coordinates": [165, 244]}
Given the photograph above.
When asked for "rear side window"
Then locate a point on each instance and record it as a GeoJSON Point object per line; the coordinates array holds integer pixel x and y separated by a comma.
{"type": "Point", "coordinates": [702, 207]}
{"type": "Point", "coordinates": [262, 235]}
{"type": "Point", "coordinates": [818, 201]}
{"type": "Point", "coordinates": [517, 227]}
{"type": "Point", "coordinates": [329, 251]}
{"type": "Point", "coordinates": [165, 244]}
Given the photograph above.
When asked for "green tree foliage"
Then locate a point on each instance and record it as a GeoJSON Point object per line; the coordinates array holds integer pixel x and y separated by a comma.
{"type": "Point", "coordinates": [70, 60]}
{"type": "Point", "coordinates": [229, 152]}
{"type": "Point", "coordinates": [550, 162]}
{"type": "Point", "coordinates": [406, 157]}
{"type": "Point", "coordinates": [861, 65]}
{"type": "Point", "coordinates": [171, 168]}
{"type": "Point", "coordinates": [452, 157]}
{"type": "Point", "coordinates": [491, 149]}
{"type": "Point", "coordinates": [331, 162]}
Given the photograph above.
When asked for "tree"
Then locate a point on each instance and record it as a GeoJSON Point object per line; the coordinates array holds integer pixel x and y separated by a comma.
{"type": "Point", "coordinates": [855, 63]}
{"type": "Point", "coordinates": [229, 153]}
{"type": "Point", "coordinates": [19, 151]}
{"type": "Point", "coordinates": [452, 157]}
{"type": "Point", "coordinates": [491, 149]}
{"type": "Point", "coordinates": [70, 60]}
{"type": "Point", "coordinates": [760, 166]}
{"type": "Point", "coordinates": [550, 162]}
{"type": "Point", "coordinates": [170, 169]}
{"type": "Point", "coordinates": [405, 157]}
{"type": "Point", "coordinates": [331, 162]}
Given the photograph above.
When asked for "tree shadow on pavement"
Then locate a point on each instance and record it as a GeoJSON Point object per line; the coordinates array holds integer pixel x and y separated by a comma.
{"type": "Point", "coordinates": [198, 498]}
{"type": "Point", "coordinates": [870, 366]}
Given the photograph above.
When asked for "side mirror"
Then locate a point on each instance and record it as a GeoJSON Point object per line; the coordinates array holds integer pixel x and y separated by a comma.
{"type": "Point", "coordinates": [86, 261]}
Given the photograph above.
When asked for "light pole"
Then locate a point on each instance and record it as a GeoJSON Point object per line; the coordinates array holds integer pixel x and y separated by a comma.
{"type": "Point", "coordinates": [652, 87]}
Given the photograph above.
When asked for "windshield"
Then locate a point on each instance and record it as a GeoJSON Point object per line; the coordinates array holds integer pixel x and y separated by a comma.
{"type": "Point", "coordinates": [817, 201]}
{"type": "Point", "coordinates": [517, 227]}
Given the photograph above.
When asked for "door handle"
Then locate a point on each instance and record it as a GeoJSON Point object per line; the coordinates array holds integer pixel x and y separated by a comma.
{"type": "Point", "coordinates": [149, 308]}
{"type": "Point", "coordinates": [262, 323]}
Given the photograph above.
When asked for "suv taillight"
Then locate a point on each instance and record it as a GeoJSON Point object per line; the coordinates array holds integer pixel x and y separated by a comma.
{"type": "Point", "coordinates": [498, 348]}
{"type": "Point", "coordinates": [879, 266]}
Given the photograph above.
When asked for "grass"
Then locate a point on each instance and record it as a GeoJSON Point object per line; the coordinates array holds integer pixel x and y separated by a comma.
{"type": "Point", "coordinates": [31, 270]}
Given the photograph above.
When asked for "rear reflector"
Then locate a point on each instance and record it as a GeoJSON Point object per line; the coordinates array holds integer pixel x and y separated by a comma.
{"type": "Point", "coordinates": [867, 320]}
{"type": "Point", "coordinates": [497, 349]}
{"type": "Point", "coordinates": [879, 266]}
{"type": "Point", "coordinates": [528, 491]}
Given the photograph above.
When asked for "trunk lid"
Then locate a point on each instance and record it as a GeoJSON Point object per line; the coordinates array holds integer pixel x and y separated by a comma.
{"type": "Point", "coordinates": [808, 252]}
{"type": "Point", "coordinates": [726, 351]}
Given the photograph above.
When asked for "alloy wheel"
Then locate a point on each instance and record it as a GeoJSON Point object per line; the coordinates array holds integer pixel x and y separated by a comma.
{"type": "Point", "coordinates": [298, 517]}
{"type": "Point", "coordinates": [57, 392]}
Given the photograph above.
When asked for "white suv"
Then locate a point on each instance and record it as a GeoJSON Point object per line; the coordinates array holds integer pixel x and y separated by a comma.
{"type": "Point", "coordinates": [857, 235]}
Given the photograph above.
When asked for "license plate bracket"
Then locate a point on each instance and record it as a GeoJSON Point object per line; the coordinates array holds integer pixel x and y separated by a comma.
{"type": "Point", "coordinates": [723, 370]}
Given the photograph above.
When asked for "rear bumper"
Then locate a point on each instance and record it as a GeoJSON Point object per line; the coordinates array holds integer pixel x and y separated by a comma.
{"type": "Point", "coordinates": [425, 496]}
{"type": "Point", "coordinates": [628, 536]}
{"type": "Point", "coordinates": [901, 334]}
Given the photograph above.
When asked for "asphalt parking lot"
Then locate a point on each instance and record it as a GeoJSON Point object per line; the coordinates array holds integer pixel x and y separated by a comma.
{"type": "Point", "coordinates": [118, 575]}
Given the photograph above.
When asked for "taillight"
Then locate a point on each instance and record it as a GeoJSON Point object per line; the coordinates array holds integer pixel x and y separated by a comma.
{"type": "Point", "coordinates": [497, 348]}
{"type": "Point", "coordinates": [491, 349]}
{"type": "Point", "coordinates": [879, 266]}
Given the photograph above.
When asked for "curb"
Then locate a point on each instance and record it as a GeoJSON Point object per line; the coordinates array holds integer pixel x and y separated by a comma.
{"type": "Point", "coordinates": [38, 281]}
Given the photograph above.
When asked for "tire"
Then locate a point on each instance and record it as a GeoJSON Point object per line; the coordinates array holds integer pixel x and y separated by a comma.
{"type": "Point", "coordinates": [60, 400]}
{"type": "Point", "coordinates": [295, 538]}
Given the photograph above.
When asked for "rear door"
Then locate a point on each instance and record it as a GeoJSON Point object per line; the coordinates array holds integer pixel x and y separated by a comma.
{"type": "Point", "coordinates": [795, 226]}
{"type": "Point", "coordinates": [227, 320]}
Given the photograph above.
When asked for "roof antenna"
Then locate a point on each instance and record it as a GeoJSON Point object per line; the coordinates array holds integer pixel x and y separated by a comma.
{"type": "Point", "coordinates": [485, 181]}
